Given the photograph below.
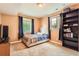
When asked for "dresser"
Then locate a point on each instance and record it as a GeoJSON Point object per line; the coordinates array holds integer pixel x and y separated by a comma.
{"type": "Point", "coordinates": [4, 49]}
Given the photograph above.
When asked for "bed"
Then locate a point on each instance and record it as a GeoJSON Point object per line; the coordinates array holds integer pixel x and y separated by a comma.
{"type": "Point", "coordinates": [34, 39]}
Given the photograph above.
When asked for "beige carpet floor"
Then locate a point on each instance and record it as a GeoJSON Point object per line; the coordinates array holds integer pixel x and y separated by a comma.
{"type": "Point", "coordinates": [45, 49]}
{"type": "Point", "coordinates": [17, 47]}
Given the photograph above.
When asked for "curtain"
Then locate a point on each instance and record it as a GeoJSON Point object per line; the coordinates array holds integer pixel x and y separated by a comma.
{"type": "Point", "coordinates": [49, 32]}
{"type": "Point", "coordinates": [20, 27]}
{"type": "Point", "coordinates": [60, 29]}
{"type": "Point", "coordinates": [32, 26]}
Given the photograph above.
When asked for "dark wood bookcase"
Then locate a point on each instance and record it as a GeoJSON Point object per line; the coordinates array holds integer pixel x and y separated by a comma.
{"type": "Point", "coordinates": [70, 29]}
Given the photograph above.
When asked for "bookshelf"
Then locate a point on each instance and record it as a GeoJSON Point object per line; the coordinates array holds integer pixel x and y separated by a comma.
{"type": "Point", "coordinates": [70, 29]}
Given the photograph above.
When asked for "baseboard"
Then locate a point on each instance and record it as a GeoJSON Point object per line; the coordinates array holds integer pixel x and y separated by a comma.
{"type": "Point", "coordinates": [13, 42]}
{"type": "Point", "coordinates": [56, 43]}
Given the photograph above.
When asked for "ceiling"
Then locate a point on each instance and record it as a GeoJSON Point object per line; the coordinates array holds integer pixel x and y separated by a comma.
{"type": "Point", "coordinates": [30, 9]}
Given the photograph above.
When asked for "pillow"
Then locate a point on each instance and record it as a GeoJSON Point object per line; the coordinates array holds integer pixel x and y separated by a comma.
{"type": "Point", "coordinates": [39, 33]}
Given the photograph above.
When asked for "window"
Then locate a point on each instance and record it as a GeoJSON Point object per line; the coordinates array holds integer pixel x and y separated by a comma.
{"type": "Point", "coordinates": [55, 22]}
{"type": "Point", "coordinates": [27, 25]}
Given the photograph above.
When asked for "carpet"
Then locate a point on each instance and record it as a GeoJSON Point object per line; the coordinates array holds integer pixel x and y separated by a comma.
{"type": "Point", "coordinates": [18, 46]}
{"type": "Point", "coordinates": [45, 49]}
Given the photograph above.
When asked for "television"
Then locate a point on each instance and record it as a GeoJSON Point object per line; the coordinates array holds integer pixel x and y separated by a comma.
{"type": "Point", "coordinates": [4, 35]}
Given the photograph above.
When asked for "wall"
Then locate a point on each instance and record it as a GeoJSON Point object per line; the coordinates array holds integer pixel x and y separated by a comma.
{"type": "Point", "coordinates": [74, 6]}
{"type": "Point", "coordinates": [37, 25]}
{"type": "Point", "coordinates": [12, 22]}
{"type": "Point", "coordinates": [41, 22]}
{"type": "Point", "coordinates": [44, 23]}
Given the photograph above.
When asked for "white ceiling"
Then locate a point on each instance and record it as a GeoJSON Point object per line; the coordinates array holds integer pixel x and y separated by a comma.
{"type": "Point", "coordinates": [30, 9]}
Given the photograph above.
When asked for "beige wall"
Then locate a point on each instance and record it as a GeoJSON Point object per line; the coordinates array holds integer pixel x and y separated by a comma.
{"type": "Point", "coordinates": [41, 22]}
{"type": "Point", "coordinates": [44, 23]}
{"type": "Point", "coordinates": [37, 24]}
{"type": "Point", "coordinates": [55, 34]}
{"type": "Point", "coordinates": [12, 23]}
{"type": "Point", "coordinates": [75, 6]}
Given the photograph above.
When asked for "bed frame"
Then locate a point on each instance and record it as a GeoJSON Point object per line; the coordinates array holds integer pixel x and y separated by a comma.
{"type": "Point", "coordinates": [33, 44]}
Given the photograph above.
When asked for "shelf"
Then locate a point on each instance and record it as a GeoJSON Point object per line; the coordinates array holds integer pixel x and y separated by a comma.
{"type": "Point", "coordinates": [71, 47]}
{"type": "Point", "coordinates": [69, 26]}
{"type": "Point", "coordinates": [69, 44]}
{"type": "Point", "coordinates": [72, 17]}
{"type": "Point", "coordinates": [71, 39]}
{"type": "Point", "coordinates": [70, 22]}
{"type": "Point", "coordinates": [66, 32]}
{"type": "Point", "coordinates": [71, 11]}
